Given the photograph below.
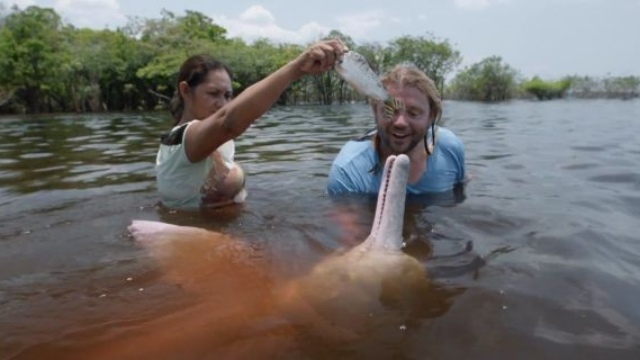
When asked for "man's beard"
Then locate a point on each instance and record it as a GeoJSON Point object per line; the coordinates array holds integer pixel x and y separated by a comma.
{"type": "Point", "coordinates": [386, 142]}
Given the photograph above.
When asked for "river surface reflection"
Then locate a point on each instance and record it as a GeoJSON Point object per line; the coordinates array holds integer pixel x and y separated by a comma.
{"type": "Point", "coordinates": [538, 259]}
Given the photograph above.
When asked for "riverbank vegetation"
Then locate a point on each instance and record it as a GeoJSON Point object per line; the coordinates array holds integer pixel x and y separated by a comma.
{"type": "Point", "coordinates": [487, 80]}
{"type": "Point", "coordinates": [547, 90]}
{"type": "Point", "coordinates": [47, 65]}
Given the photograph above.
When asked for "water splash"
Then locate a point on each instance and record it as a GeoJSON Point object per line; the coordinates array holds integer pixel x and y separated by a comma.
{"type": "Point", "coordinates": [355, 70]}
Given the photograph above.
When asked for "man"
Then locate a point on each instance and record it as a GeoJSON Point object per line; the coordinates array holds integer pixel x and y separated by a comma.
{"type": "Point", "coordinates": [405, 124]}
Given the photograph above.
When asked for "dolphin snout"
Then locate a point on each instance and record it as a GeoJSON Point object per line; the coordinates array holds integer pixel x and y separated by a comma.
{"type": "Point", "coordinates": [386, 231]}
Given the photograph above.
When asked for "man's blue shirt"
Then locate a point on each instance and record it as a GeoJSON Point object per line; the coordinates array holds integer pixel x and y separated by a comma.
{"type": "Point", "coordinates": [351, 170]}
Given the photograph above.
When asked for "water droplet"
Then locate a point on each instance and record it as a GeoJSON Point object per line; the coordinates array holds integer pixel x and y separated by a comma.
{"type": "Point", "coordinates": [403, 327]}
{"type": "Point", "coordinates": [129, 279]}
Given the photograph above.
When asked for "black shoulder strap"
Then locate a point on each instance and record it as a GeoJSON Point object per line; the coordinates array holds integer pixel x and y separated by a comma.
{"type": "Point", "coordinates": [173, 137]}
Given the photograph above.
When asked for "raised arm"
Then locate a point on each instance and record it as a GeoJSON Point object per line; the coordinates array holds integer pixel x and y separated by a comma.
{"type": "Point", "coordinates": [235, 117]}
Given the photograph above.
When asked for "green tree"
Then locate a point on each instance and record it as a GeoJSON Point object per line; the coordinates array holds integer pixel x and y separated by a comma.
{"type": "Point", "coordinates": [195, 25]}
{"type": "Point", "coordinates": [332, 86]}
{"type": "Point", "coordinates": [176, 32]}
{"type": "Point", "coordinates": [584, 87]}
{"type": "Point", "coordinates": [325, 88]}
{"type": "Point", "coordinates": [33, 48]}
{"type": "Point", "coordinates": [436, 58]}
{"type": "Point", "coordinates": [5, 95]}
{"type": "Point", "coordinates": [623, 87]}
{"type": "Point", "coordinates": [487, 80]}
{"type": "Point", "coordinates": [172, 39]}
{"type": "Point", "coordinates": [376, 54]}
{"type": "Point", "coordinates": [547, 90]}
{"type": "Point", "coordinates": [102, 69]}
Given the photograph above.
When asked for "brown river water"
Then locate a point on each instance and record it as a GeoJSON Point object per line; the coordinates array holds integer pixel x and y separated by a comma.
{"type": "Point", "coordinates": [538, 259]}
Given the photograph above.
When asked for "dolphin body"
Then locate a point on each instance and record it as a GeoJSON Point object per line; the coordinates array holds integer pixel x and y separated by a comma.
{"type": "Point", "coordinates": [348, 293]}
{"type": "Point", "coordinates": [372, 286]}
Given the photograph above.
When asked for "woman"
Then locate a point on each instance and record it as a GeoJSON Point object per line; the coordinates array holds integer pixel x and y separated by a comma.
{"type": "Point", "coordinates": [195, 165]}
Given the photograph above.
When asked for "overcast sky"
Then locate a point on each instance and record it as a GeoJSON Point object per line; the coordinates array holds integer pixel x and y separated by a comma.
{"type": "Point", "coordinates": [549, 38]}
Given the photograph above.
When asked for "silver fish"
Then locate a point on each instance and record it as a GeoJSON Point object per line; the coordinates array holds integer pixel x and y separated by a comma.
{"type": "Point", "coordinates": [355, 70]}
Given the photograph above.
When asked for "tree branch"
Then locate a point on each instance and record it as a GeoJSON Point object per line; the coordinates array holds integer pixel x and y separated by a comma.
{"type": "Point", "coordinates": [161, 96]}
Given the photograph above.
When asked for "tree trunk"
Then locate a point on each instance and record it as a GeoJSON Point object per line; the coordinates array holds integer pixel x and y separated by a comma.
{"type": "Point", "coordinates": [32, 99]}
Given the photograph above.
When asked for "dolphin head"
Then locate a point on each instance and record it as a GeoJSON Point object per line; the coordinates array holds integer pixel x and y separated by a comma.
{"type": "Point", "coordinates": [386, 231]}
{"type": "Point", "coordinates": [371, 285]}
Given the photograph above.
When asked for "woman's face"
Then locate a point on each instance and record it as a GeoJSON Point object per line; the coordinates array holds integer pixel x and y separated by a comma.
{"type": "Point", "coordinates": [208, 96]}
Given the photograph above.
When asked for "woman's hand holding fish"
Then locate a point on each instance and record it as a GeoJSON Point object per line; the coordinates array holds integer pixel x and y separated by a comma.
{"type": "Point", "coordinates": [320, 57]}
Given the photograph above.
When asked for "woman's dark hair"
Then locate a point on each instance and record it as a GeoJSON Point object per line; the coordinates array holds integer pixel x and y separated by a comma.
{"type": "Point", "coordinates": [193, 71]}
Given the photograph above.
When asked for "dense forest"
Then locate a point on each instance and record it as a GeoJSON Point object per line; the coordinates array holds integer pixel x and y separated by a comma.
{"type": "Point", "coordinates": [49, 66]}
